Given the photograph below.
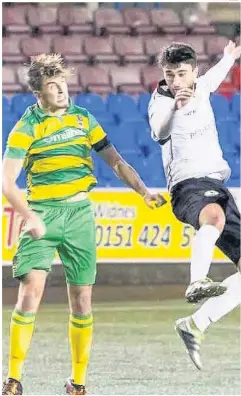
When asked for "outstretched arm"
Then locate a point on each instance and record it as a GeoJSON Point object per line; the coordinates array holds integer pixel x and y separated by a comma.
{"type": "Point", "coordinates": [214, 77]}
{"type": "Point", "coordinates": [130, 177]}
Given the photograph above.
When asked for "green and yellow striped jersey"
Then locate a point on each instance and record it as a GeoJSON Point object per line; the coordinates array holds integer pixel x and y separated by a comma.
{"type": "Point", "coordinates": [56, 151]}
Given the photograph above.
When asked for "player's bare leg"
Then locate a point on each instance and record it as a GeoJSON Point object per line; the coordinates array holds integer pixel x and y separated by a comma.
{"type": "Point", "coordinates": [80, 335]}
{"type": "Point", "coordinates": [191, 329]}
{"type": "Point", "coordinates": [212, 222]}
{"type": "Point", "coordinates": [22, 328]}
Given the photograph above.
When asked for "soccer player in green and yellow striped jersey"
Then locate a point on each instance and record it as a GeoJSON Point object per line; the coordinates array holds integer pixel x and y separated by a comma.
{"type": "Point", "coordinates": [53, 142]}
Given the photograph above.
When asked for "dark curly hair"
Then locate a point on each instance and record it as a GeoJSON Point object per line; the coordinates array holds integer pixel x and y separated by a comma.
{"type": "Point", "coordinates": [177, 53]}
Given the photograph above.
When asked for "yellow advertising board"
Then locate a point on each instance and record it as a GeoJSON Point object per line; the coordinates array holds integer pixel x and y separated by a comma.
{"type": "Point", "coordinates": [126, 230]}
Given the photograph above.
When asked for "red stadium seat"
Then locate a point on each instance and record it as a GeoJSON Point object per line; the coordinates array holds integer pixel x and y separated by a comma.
{"type": "Point", "coordinates": [101, 48]}
{"type": "Point", "coordinates": [34, 46]}
{"type": "Point", "coordinates": [11, 50]}
{"type": "Point", "coordinates": [95, 79]}
{"type": "Point", "coordinates": [167, 20]}
{"type": "Point", "coordinates": [71, 47]}
{"type": "Point", "coordinates": [215, 45]}
{"type": "Point", "coordinates": [9, 80]}
{"type": "Point", "coordinates": [236, 76]}
{"type": "Point", "coordinates": [131, 48]}
{"type": "Point", "coordinates": [154, 44]}
{"type": "Point", "coordinates": [14, 18]}
{"type": "Point", "coordinates": [227, 89]}
{"type": "Point", "coordinates": [151, 75]}
{"type": "Point", "coordinates": [197, 21]}
{"type": "Point", "coordinates": [77, 19]}
{"type": "Point", "coordinates": [127, 79]}
{"type": "Point", "coordinates": [44, 17]}
{"type": "Point", "coordinates": [197, 42]}
{"type": "Point", "coordinates": [110, 21]}
{"type": "Point", "coordinates": [74, 85]}
{"type": "Point", "coordinates": [138, 18]}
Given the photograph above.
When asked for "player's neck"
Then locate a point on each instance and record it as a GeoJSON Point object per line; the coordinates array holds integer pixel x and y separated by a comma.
{"type": "Point", "coordinates": [50, 111]}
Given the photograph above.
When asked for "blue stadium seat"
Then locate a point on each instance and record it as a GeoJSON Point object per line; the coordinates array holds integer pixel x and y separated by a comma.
{"type": "Point", "coordinates": [21, 181]}
{"type": "Point", "coordinates": [235, 105]}
{"type": "Point", "coordinates": [6, 105]}
{"type": "Point", "coordinates": [220, 106]}
{"type": "Point", "coordinates": [9, 120]}
{"type": "Point", "coordinates": [234, 163]}
{"type": "Point", "coordinates": [226, 129]}
{"type": "Point", "coordinates": [20, 102]}
{"type": "Point", "coordinates": [94, 103]}
{"type": "Point", "coordinates": [143, 103]}
{"type": "Point", "coordinates": [123, 138]}
{"type": "Point", "coordinates": [123, 107]}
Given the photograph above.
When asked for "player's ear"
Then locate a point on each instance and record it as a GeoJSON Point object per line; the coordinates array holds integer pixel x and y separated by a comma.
{"type": "Point", "coordinates": [37, 94]}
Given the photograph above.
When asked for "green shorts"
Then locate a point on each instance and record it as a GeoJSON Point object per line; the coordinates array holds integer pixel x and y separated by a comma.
{"type": "Point", "coordinates": [70, 229]}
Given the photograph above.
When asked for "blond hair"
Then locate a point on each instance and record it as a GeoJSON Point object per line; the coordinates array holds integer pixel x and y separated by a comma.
{"type": "Point", "coordinates": [45, 65]}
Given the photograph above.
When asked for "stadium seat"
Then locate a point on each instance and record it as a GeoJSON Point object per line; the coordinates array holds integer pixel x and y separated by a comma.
{"type": "Point", "coordinates": [9, 83]}
{"type": "Point", "coordinates": [197, 42]}
{"type": "Point", "coordinates": [123, 138]}
{"type": "Point", "coordinates": [143, 103]}
{"type": "Point", "coordinates": [227, 89]}
{"type": "Point", "coordinates": [126, 79]}
{"type": "Point", "coordinates": [20, 103]}
{"type": "Point", "coordinates": [71, 47]}
{"type": "Point", "coordinates": [95, 79]}
{"type": "Point", "coordinates": [227, 131]}
{"type": "Point", "coordinates": [235, 105]}
{"type": "Point", "coordinates": [5, 105]}
{"type": "Point", "coordinates": [215, 45]}
{"type": "Point", "coordinates": [109, 21]}
{"type": "Point", "coordinates": [92, 102]}
{"type": "Point", "coordinates": [77, 19]}
{"type": "Point", "coordinates": [123, 107]}
{"type": "Point", "coordinates": [130, 49]}
{"type": "Point", "coordinates": [234, 163]}
{"type": "Point", "coordinates": [236, 76]}
{"type": "Point", "coordinates": [44, 18]}
{"type": "Point", "coordinates": [34, 46]}
{"type": "Point", "coordinates": [220, 106]}
{"type": "Point", "coordinates": [11, 50]}
{"type": "Point", "coordinates": [144, 140]}
{"type": "Point", "coordinates": [139, 20]}
{"type": "Point", "coordinates": [154, 44]}
{"type": "Point", "coordinates": [197, 21]}
{"type": "Point", "coordinates": [14, 19]}
{"type": "Point", "coordinates": [151, 75]}
{"type": "Point", "coordinates": [100, 48]}
{"type": "Point", "coordinates": [167, 21]}
{"type": "Point", "coordinates": [9, 120]}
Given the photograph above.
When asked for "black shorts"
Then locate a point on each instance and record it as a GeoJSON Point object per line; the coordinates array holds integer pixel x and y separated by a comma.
{"type": "Point", "coordinates": [190, 196]}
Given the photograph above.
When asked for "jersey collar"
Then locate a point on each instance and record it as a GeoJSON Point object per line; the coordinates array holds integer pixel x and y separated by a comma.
{"type": "Point", "coordinates": [163, 89]}
{"type": "Point", "coordinates": [42, 114]}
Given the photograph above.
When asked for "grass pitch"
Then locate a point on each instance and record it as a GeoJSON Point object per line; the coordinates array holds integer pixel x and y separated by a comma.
{"type": "Point", "coordinates": [136, 352]}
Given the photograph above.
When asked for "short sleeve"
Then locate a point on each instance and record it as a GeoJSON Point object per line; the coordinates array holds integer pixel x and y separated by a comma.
{"type": "Point", "coordinates": [96, 132]}
{"type": "Point", "coordinates": [20, 139]}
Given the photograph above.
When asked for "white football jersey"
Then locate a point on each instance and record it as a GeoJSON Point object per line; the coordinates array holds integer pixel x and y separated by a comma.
{"type": "Point", "coordinates": [190, 146]}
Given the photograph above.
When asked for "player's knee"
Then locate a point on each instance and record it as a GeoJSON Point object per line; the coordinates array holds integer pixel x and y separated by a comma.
{"type": "Point", "coordinates": [29, 299]}
{"type": "Point", "coordinates": [80, 299]}
{"type": "Point", "coordinates": [214, 215]}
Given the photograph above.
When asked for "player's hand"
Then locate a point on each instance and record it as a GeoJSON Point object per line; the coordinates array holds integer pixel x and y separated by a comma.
{"type": "Point", "coordinates": [154, 201]}
{"type": "Point", "coordinates": [35, 226]}
{"type": "Point", "coordinates": [182, 97]}
{"type": "Point", "coordinates": [233, 50]}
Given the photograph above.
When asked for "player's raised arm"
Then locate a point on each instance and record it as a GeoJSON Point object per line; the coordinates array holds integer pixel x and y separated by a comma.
{"type": "Point", "coordinates": [18, 144]}
{"type": "Point", "coordinates": [214, 77]}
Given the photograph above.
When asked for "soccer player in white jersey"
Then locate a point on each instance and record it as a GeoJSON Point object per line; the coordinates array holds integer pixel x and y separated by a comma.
{"type": "Point", "coordinates": [182, 121]}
